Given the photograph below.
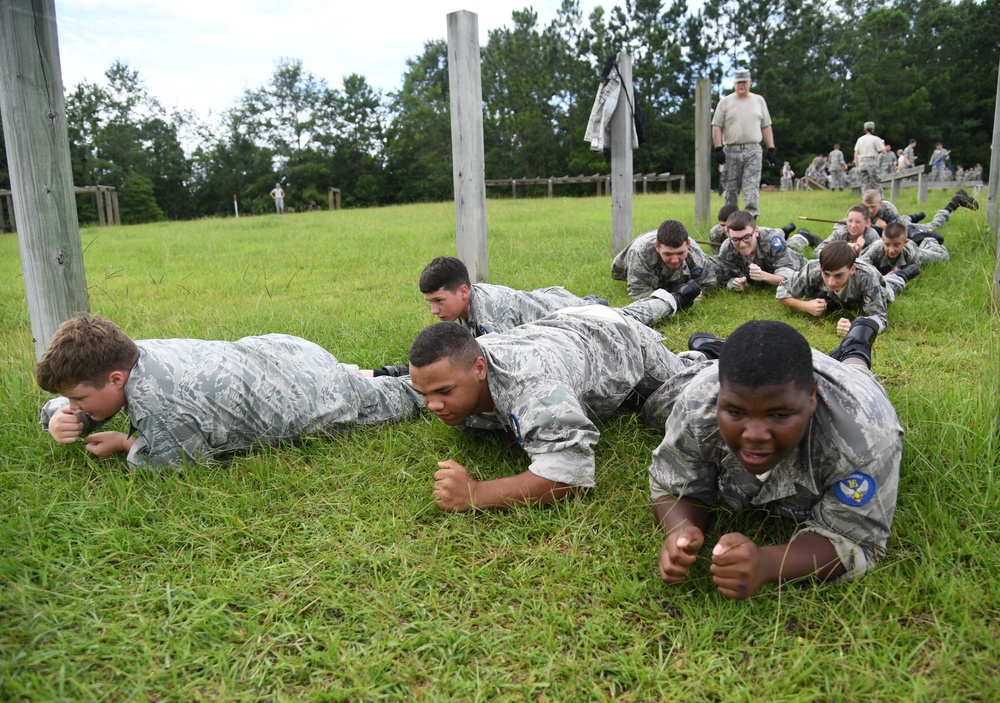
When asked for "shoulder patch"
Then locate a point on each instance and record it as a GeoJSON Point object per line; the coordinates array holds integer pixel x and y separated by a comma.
{"type": "Point", "coordinates": [856, 490]}
{"type": "Point", "coordinates": [777, 242]}
{"type": "Point", "coordinates": [697, 271]}
{"type": "Point", "coordinates": [516, 425]}
{"type": "Point", "coordinates": [869, 296]}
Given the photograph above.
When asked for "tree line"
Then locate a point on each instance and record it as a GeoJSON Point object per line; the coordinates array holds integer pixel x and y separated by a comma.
{"type": "Point", "coordinates": [923, 69]}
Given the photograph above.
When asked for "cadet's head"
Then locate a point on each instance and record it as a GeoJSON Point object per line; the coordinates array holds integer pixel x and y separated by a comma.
{"type": "Point", "coordinates": [767, 393]}
{"type": "Point", "coordinates": [88, 361]}
{"type": "Point", "coordinates": [894, 239]}
{"type": "Point", "coordinates": [672, 243]}
{"type": "Point", "coordinates": [742, 232]}
{"type": "Point", "coordinates": [913, 142]}
{"type": "Point", "coordinates": [836, 263]}
{"type": "Point", "coordinates": [873, 201]}
{"type": "Point", "coordinates": [448, 369]}
{"type": "Point", "coordinates": [858, 220]}
{"type": "Point", "coordinates": [445, 285]}
{"type": "Point", "coordinates": [938, 145]}
{"type": "Point", "coordinates": [869, 127]}
{"type": "Point", "coordinates": [724, 212]}
{"type": "Point", "coordinates": [836, 146]}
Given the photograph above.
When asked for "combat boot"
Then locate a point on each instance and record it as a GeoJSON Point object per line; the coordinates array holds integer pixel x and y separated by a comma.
{"type": "Point", "coordinates": [963, 199]}
{"type": "Point", "coordinates": [814, 240]}
{"type": "Point", "coordinates": [857, 344]}
{"type": "Point", "coordinates": [788, 229]}
{"type": "Point", "coordinates": [706, 343]}
{"type": "Point", "coordinates": [686, 295]}
{"type": "Point", "coordinates": [917, 217]}
{"type": "Point", "coordinates": [908, 273]}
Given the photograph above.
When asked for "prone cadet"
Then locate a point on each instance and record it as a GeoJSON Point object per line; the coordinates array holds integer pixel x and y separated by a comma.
{"type": "Point", "coordinates": [743, 259]}
{"type": "Point", "coordinates": [666, 259]}
{"type": "Point", "coordinates": [837, 281]}
{"type": "Point", "coordinates": [896, 253]}
{"type": "Point", "coordinates": [775, 424]}
{"type": "Point", "coordinates": [541, 383]}
{"type": "Point", "coordinates": [191, 400]}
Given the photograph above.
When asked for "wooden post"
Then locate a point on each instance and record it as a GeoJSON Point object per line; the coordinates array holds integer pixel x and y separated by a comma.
{"type": "Point", "coordinates": [682, 185]}
{"type": "Point", "coordinates": [10, 212]}
{"type": "Point", "coordinates": [333, 199]}
{"type": "Point", "coordinates": [621, 160]}
{"type": "Point", "coordinates": [702, 151]}
{"type": "Point", "coordinates": [99, 197]}
{"type": "Point", "coordinates": [550, 187]}
{"type": "Point", "coordinates": [114, 206]}
{"type": "Point", "coordinates": [465, 82]}
{"type": "Point", "coordinates": [34, 126]}
{"type": "Point", "coordinates": [921, 188]}
{"type": "Point", "coordinates": [1, 217]}
{"type": "Point", "coordinates": [894, 197]}
{"type": "Point", "coordinates": [992, 194]}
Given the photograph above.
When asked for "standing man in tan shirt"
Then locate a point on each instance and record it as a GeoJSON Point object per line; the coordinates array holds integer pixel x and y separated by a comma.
{"type": "Point", "coordinates": [741, 121]}
{"type": "Point", "coordinates": [866, 153]}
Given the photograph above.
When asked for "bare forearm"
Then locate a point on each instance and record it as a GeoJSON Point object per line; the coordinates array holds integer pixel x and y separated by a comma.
{"type": "Point", "coordinates": [524, 489]}
{"type": "Point", "coordinates": [810, 555]}
{"type": "Point", "coordinates": [673, 512]}
{"type": "Point", "coordinates": [794, 303]}
{"type": "Point", "coordinates": [768, 133]}
{"type": "Point", "coordinates": [717, 135]}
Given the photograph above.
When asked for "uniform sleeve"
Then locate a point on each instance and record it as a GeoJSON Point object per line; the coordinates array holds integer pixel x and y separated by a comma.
{"type": "Point", "coordinates": [50, 409]}
{"type": "Point", "coordinates": [642, 280]}
{"type": "Point", "coordinates": [558, 436]}
{"type": "Point", "coordinates": [788, 263]}
{"type": "Point", "coordinates": [709, 276]}
{"type": "Point", "coordinates": [729, 265]}
{"type": "Point", "coordinates": [856, 513]}
{"type": "Point", "coordinates": [795, 287]}
{"type": "Point", "coordinates": [172, 440]}
{"type": "Point", "coordinates": [683, 464]}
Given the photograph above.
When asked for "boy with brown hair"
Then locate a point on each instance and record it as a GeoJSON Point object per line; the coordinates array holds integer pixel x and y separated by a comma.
{"type": "Point", "coordinates": [836, 280]}
{"type": "Point", "coordinates": [664, 259]}
{"type": "Point", "coordinates": [191, 400]}
{"type": "Point", "coordinates": [895, 252]}
{"type": "Point", "coordinates": [744, 259]}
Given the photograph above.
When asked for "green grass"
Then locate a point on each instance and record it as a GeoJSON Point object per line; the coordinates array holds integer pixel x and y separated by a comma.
{"type": "Point", "coordinates": [324, 571]}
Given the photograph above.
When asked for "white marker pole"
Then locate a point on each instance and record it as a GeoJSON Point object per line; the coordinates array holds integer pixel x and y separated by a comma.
{"type": "Point", "coordinates": [236, 207]}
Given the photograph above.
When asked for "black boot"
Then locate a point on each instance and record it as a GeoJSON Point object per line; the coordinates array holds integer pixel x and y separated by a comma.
{"type": "Point", "coordinates": [858, 342]}
{"type": "Point", "coordinates": [917, 216]}
{"type": "Point", "coordinates": [963, 199]}
{"type": "Point", "coordinates": [706, 343]}
{"type": "Point", "coordinates": [686, 294]}
{"type": "Point", "coordinates": [813, 240]}
{"type": "Point", "coordinates": [788, 229]}
{"type": "Point", "coordinates": [908, 273]}
{"type": "Point", "coordinates": [391, 371]}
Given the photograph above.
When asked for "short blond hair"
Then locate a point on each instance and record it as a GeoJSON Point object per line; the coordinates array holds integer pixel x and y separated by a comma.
{"type": "Point", "coordinates": [85, 349]}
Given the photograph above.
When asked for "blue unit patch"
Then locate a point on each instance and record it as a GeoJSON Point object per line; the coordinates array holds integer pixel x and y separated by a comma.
{"type": "Point", "coordinates": [516, 425]}
{"type": "Point", "coordinates": [696, 271]}
{"type": "Point", "coordinates": [856, 490]}
{"type": "Point", "coordinates": [868, 296]}
{"type": "Point", "coordinates": [777, 242]}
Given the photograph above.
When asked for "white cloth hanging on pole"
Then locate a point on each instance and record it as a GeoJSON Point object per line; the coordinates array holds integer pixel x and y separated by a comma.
{"type": "Point", "coordinates": [599, 126]}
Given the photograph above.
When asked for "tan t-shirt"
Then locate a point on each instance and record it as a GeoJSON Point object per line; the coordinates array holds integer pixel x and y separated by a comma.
{"type": "Point", "coordinates": [742, 119]}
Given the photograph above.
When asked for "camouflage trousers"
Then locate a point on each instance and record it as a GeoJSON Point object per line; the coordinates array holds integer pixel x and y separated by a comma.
{"type": "Point", "coordinates": [743, 165]}
{"type": "Point", "coordinates": [868, 177]}
{"type": "Point", "coordinates": [837, 179]}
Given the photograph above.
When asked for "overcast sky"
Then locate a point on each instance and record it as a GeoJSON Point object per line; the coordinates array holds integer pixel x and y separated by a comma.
{"type": "Point", "coordinates": [202, 55]}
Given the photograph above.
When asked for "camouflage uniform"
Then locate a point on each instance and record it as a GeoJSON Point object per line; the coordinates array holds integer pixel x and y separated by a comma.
{"type": "Point", "coordinates": [841, 483]}
{"type": "Point", "coordinates": [717, 236]}
{"type": "Point", "coordinates": [889, 213]}
{"type": "Point", "coordinates": [937, 164]}
{"type": "Point", "coordinates": [929, 251]}
{"type": "Point", "coordinates": [191, 400]}
{"type": "Point", "coordinates": [772, 255]}
{"type": "Point", "coordinates": [886, 164]}
{"type": "Point", "coordinates": [836, 166]}
{"type": "Point", "coordinates": [841, 233]}
{"type": "Point", "coordinates": [641, 266]}
{"type": "Point", "coordinates": [549, 378]}
{"type": "Point", "coordinates": [911, 158]}
{"type": "Point", "coordinates": [499, 308]}
{"type": "Point", "coordinates": [866, 289]}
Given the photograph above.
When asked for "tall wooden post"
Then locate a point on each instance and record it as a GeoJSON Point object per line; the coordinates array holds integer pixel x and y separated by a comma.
{"type": "Point", "coordinates": [702, 151]}
{"type": "Point", "coordinates": [465, 81]}
{"type": "Point", "coordinates": [993, 194]}
{"type": "Point", "coordinates": [34, 126]}
{"type": "Point", "coordinates": [621, 159]}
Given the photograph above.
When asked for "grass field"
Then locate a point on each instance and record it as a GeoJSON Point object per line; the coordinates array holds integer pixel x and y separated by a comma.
{"type": "Point", "coordinates": [324, 571]}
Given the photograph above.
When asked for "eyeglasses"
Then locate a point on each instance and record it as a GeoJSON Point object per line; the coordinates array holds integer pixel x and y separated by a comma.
{"type": "Point", "coordinates": [745, 239]}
